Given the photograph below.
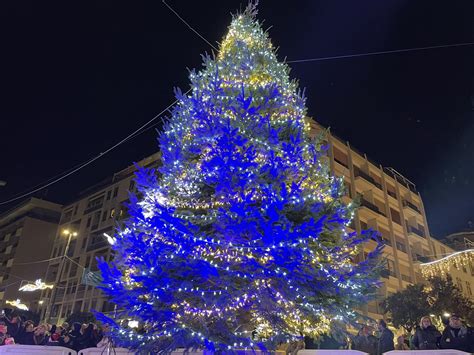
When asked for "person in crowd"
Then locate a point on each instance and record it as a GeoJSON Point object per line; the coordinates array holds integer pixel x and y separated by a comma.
{"type": "Point", "coordinates": [103, 337]}
{"type": "Point", "coordinates": [66, 328]}
{"type": "Point", "coordinates": [12, 321]}
{"type": "Point", "coordinates": [55, 337]}
{"type": "Point", "coordinates": [456, 336]}
{"type": "Point", "coordinates": [3, 333]}
{"type": "Point", "coordinates": [365, 341]}
{"type": "Point", "coordinates": [26, 336]}
{"type": "Point", "coordinates": [66, 341]}
{"type": "Point", "coordinates": [426, 335]}
{"type": "Point", "coordinates": [385, 342]}
{"type": "Point", "coordinates": [401, 344]}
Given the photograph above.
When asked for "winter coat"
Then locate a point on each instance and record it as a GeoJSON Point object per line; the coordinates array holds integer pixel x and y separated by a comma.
{"type": "Point", "coordinates": [464, 340]}
{"type": "Point", "coordinates": [385, 341]}
{"type": "Point", "coordinates": [426, 338]}
{"type": "Point", "coordinates": [367, 344]}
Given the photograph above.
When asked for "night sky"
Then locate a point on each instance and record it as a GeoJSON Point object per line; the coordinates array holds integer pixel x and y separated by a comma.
{"type": "Point", "coordinates": [76, 77]}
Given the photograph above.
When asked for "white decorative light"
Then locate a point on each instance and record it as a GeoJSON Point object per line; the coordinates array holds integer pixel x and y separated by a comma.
{"type": "Point", "coordinates": [133, 323]}
{"type": "Point", "coordinates": [17, 303]}
{"type": "Point", "coordinates": [110, 239]}
{"type": "Point", "coordinates": [38, 285]}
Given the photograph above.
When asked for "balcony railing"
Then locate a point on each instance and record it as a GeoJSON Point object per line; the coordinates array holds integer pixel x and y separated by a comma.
{"type": "Point", "coordinates": [369, 178]}
{"type": "Point", "coordinates": [411, 205]}
{"type": "Point", "coordinates": [97, 245]}
{"type": "Point", "coordinates": [341, 162]}
{"type": "Point", "coordinates": [391, 193]}
{"type": "Point", "coordinates": [371, 206]}
{"type": "Point", "coordinates": [416, 231]}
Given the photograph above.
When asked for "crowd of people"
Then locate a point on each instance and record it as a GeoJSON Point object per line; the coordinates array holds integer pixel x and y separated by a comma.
{"type": "Point", "coordinates": [14, 330]}
{"type": "Point", "coordinates": [426, 337]}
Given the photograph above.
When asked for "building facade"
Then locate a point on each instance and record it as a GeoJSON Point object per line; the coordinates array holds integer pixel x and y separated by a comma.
{"type": "Point", "coordinates": [27, 234]}
{"type": "Point", "coordinates": [455, 260]}
{"type": "Point", "coordinates": [74, 253]}
{"type": "Point", "coordinates": [389, 203]}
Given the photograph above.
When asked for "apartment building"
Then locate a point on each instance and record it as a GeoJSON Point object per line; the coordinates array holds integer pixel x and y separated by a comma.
{"type": "Point", "coordinates": [390, 204]}
{"type": "Point", "coordinates": [27, 233]}
{"type": "Point", "coordinates": [455, 260]}
{"type": "Point", "coordinates": [80, 240]}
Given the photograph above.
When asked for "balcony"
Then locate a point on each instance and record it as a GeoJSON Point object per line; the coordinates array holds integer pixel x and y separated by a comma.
{"type": "Point", "coordinates": [420, 258]}
{"type": "Point", "coordinates": [416, 231]}
{"type": "Point", "coordinates": [97, 244]}
{"type": "Point", "coordinates": [410, 208]}
{"type": "Point", "coordinates": [368, 178]}
{"type": "Point", "coordinates": [371, 206]}
{"type": "Point", "coordinates": [342, 163]}
{"type": "Point", "coordinates": [391, 193]}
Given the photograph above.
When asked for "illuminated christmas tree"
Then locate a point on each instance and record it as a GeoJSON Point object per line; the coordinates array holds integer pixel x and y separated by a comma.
{"type": "Point", "coordinates": [240, 240]}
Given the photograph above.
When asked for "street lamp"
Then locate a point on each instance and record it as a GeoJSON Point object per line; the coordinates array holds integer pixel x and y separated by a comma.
{"type": "Point", "coordinates": [2, 183]}
{"type": "Point", "coordinates": [69, 234]}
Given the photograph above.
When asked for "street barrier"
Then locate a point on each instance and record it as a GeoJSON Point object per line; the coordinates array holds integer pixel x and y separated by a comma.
{"type": "Point", "coordinates": [330, 352]}
{"type": "Point", "coordinates": [105, 351]}
{"type": "Point", "coordinates": [427, 352]}
{"type": "Point", "coordinates": [35, 350]}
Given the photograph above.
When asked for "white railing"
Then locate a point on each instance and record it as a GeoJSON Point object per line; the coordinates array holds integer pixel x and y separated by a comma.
{"type": "Point", "coordinates": [105, 351]}
{"type": "Point", "coordinates": [35, 350]}
{"type": "Point", "coordinates": [427, 352]}
{"type": "Point", "coordinates": [330, 352]}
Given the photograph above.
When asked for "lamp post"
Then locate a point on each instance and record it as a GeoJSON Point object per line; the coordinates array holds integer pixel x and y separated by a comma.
{"type": "Point", "coordinates": [52, 299]}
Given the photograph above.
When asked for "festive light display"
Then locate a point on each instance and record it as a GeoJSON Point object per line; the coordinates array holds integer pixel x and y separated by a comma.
{"type": "Point", "coordinates": [17, 303]}
{"type": "Point", "coordinates": [38, 285]}
{"type": "Point", "coordinates": [443, 266]}
{"type": "Point", "coordinates": [241, 242]}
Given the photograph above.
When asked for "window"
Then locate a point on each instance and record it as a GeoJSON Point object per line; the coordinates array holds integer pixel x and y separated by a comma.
{"type": "Point", "coordinates": [115, 192]}
{"type": "Point", "coordinates": [391, 191]}
{"type": "Point", "coordinates": [95, 220]}
{"type": "Point", "coordinates": [95, 202]}
{"type": "Point", "coordinates": [401, 246]}
{"type": "Point", "coordinates": [10, 262]}
{"type": "Point", "coordinates": [104, 216]}
{"type": "Point", "coordinates": [389, 269]}
{"type": "Point", "coordinates": [89, 222]}
{"type": "Point", "coordinates": [459, 283]}
{"type": "Point", "coordinates": [75, 209]}
{"type": "Point", "coordinates": [108, 194]}
{"type": "Point", "coordinates": [395, 216]}
{"type": "Point", "coordinates": [468, 288]}
{"type": "Point", "coordinates": [131, 186]}
{"type": "Point", "coordinates": [84, 243]}
{"type": "Point", "coordinates": [406, 278]}
{"type": "Point", "coordinates": [340, 157]}
{"type": "Point", "coordinates": [8, 250]}
{"type": "Point", "coordinates": [18, 231]}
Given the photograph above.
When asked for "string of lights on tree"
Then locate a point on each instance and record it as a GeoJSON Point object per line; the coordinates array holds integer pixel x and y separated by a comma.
{"type": "Point", "coordinates": [240, 240]}
{"type": "Point", "coordinates": [443, 266]}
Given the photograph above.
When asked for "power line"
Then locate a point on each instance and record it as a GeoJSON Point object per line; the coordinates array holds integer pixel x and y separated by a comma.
{"type": "Point", "coordinates": [189, 26]}
{"type": "Point", "coordinates": [338, 56]}
{"type": "Point", "coordinates": [39, 261]}
{"type": "Point", "coordinates": [380, 52]}
{"type": "Point", "coordinates": [78, 167]}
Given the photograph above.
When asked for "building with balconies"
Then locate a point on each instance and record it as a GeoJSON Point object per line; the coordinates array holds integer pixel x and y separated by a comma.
{"type": "Point", "coordinates": [96, 212]}
{"type": "Point", "coordinates": [27, 234]}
